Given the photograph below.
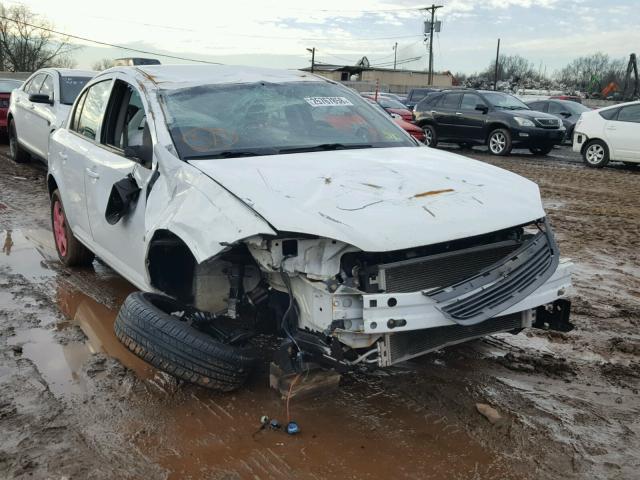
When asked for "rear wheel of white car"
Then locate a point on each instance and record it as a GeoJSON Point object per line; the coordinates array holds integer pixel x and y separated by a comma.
{"type": "Point", "coordinates": [71, 252]}
{"type": "Point", "coordinates": [18, 154]}
{"type": "Point", "coordinates": [596, 154]}
{"type": "Point", "coordinates": [500, 142]}
{"type": "Point", "coordinates": [430, 136]}
{"type": "Point", "coordinates": [154, 327]}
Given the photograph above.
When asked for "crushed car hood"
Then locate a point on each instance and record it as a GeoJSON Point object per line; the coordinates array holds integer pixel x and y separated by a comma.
{"type": "Point", "coordinates": [379, 199]}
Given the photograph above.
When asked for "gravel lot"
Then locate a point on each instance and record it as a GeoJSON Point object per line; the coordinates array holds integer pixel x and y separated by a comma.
{"type": "Point", "coordinates": [75, 404]}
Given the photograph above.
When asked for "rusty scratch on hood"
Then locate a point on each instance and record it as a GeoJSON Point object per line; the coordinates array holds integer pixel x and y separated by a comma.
{"type": "Point", "coordinates": [432, 192]}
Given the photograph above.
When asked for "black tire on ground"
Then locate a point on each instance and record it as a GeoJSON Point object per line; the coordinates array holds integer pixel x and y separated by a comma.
{"type": "Point", "coordinates": [18, 154]}
{"type": "Point", "coordinates": [147, 328]}
{"type": "Point", "coordinates": [499, 142]}
{"type": "Point", "coordinates": [430, 136]}
{"type": "Point", "coordinates": [541, 150]}
{"type": "Point", "coordinates": [75, 254]}
{"type": "Point", "coordinates": [595, 154]}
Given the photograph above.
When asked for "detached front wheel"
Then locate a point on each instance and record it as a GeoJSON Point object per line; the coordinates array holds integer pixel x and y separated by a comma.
{"type": "Point", "coordinates": [155, 328]}
{"type": "Point", "coordinates": [500, 142]}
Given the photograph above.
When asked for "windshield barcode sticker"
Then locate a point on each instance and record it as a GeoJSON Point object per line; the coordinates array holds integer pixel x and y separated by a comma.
{"type": "Point", "coordinates": [327, 101]}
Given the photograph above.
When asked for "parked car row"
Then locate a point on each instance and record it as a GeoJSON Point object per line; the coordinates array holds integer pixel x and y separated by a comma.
{"type": "Point", "coordinates": [223, 192]}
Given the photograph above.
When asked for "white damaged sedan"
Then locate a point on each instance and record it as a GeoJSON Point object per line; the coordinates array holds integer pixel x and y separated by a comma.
{"type": "Point", "coordinates": [242, 200]}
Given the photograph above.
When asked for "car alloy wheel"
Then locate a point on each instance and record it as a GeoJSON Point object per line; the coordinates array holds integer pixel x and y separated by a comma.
{"type": "Point", "coordinates": [497, 143]}
{"type": "Point", "coordinates": [59, 228]}
{"type": "Point", "coordinates": [595, 154]}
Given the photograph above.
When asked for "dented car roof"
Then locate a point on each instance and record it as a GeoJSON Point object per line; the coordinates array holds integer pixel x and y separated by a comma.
{"type": "Point", "coordinates": [168, 77]}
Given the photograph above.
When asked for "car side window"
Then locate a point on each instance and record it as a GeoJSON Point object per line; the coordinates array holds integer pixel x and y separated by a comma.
{"type": "Point", "coordinates": [35, 84]}
{"type": "Point", "coordinates": [470, 101]}
{"type": "Point", "coordinates": [47, 87]}
{"type": "Point", "coordinates": [93, 103]}
{"type": "Point", "coordinates": [451, 101]}
{"type": "Point", "coordinates": [78, 111]}
{"type": "Point", "coordinates": [610, 114]}
{"type": "Point", "coordinates": [629, 114]}
{"type": "Point", "coordinates": [538, 106]}
{"type": "Point", "coordinates": [126, 118]}
{"type": "Point", "coordinates": [556, 108]}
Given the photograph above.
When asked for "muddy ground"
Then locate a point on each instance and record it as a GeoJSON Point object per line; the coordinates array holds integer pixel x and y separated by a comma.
{"type": "Point", "coordinates": [75, 404]}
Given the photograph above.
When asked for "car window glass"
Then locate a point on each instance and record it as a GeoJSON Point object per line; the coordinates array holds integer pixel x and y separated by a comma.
{"type": "Point", "coordinates": [556, 108]}
{"type": "Point", "coordinates": [125, 119]}
{"type": "Point", "coordinates": [538, 106]}
{"type": "Point", "coordinates": [90, 116]}
{"type": "Point", "coordinates": [451, 100]}
{"type": "Point", "coordinates": [70, 87]}
{"type": "Point", "coordinates": [77, 112]}
{"type": "Point", "coordinates": [9, 85]}
{"type": "Point", "coordinates": [36, 83]}
{"type": "Point", "coordinates": [470, 101]}
{"type": "Point", "coordinates": [609, 114]}
{"type": "Point", "coordinates": [630, 114]}
{"type": "Point", "coordinates": [47, 87]}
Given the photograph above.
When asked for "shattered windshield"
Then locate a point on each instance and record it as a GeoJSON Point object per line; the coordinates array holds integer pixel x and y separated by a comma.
{"type": "Point", "coordinates": [224, 121]}
{"type": "Point", "coordinates": [503, 100]}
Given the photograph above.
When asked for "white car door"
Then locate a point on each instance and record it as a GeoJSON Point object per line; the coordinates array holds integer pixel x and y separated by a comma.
{"type": "Point", "coordinates": [70, 150]}
{"type": "Point", "coordinates": [23, 115]}
{"type": "Point", "coordinates": [43, 115]}
{"type": "Point", "coordinates": [122, 131]}
{"type": "Point", "coordinates": [623, 134]}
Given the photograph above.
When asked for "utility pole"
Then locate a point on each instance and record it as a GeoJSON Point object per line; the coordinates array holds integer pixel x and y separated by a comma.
{"type": "Point", "coordinates": [495, 81]}
{"type": "Point", "coordinates": [431, 9]}
{"type": "Point", "coordinates": [312, 51]}
{"type": "Point", "coordinates": [395, 55]}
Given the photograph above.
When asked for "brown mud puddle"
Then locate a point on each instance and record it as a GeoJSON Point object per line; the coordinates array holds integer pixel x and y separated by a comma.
{"type": "Point", "coordinates": [359, 431]}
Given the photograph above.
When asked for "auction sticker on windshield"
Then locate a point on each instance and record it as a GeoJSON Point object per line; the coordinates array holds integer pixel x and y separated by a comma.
{"type": "Point", "coordinates": [327, 101]}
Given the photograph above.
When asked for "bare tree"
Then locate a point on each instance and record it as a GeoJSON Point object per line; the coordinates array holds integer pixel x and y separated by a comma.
{"type": "Point", "coordinates": [103, 64]}
{"type": "Point", "coordinates": [27, 44]}
{"type": "Point", "coordinates": [593, 72]}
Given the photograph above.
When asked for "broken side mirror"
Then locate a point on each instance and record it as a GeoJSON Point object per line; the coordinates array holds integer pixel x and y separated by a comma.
{"type": "Point", "coordinates": [40, 98]}
{"type": "Point", "coordinates": [482, 108]}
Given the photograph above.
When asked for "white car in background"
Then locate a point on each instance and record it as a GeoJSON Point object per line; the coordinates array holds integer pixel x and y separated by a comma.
{"type": "Point", "coordinates": [611, 133]}
{"type": "Point", "coordinates": [41, 106]}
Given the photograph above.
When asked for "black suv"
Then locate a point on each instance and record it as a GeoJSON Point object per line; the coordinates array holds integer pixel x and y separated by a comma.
{"type": "Point", "coordinates": [480, 117]}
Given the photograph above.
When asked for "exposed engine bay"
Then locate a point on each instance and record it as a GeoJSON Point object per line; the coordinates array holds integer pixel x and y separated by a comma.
{"type": "Point", "coordinates": [338, 305]}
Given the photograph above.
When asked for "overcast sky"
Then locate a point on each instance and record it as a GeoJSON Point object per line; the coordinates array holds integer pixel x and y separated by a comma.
{"type": "Point", "coordinates": [548, 32]}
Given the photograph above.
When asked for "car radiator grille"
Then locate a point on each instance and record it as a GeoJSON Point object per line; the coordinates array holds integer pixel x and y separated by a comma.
{"type": "Point", "coordinates": [549, 122]}
{"type": "Point", "coordinates": [402, 346]}
{"type": "Point", "coordinates": [440, 270]}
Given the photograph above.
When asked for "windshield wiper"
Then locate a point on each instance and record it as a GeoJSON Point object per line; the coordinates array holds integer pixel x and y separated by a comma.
{"type": "Point", "coordinates": [324, 147]}
{"type": "Point", "coordinates": [231, 154]}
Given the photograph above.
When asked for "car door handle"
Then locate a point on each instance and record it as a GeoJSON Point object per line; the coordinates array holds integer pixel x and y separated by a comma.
{"type": "Point", "coordinates": [62, 155]}
{"type": "Point", "coordinates": [92, 174]}
{"type": "Point", "coordinates": [611, 128]}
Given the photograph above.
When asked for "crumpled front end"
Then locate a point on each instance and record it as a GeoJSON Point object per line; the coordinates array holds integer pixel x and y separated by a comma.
{"type": "Point", "coordinates": [387, 307]}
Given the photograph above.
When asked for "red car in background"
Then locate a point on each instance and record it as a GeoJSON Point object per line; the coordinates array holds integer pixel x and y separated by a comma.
{"type": "Point", "coordinates": [7, 85]}
{"type": "Point", "coordinates": [393, 106]}
{"type": "Point", "coordinates": [412, 129]}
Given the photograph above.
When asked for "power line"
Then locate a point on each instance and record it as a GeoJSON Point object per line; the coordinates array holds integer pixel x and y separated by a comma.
{"type": "Point", "coordinates": [98, 42]}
